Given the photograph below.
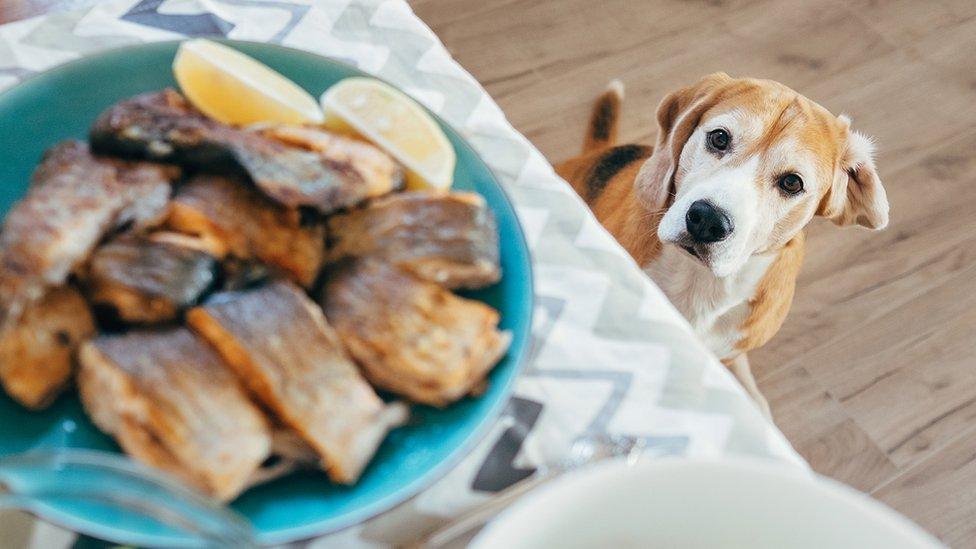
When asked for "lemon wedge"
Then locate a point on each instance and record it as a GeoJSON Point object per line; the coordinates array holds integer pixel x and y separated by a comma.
{"type": "Point", "coordinates": [236, 89]}
{"type": "Point", "coordinates": [379, 113]}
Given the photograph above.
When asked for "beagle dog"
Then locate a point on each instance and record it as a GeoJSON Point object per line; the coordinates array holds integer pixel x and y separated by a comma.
{"type": "Point", "coordinates": [714, 213]}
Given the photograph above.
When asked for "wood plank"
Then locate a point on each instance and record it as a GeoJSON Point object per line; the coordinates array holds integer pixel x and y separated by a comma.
{"type": "Point", "coordinates": [834, 42]}
{"type": "Point", "coordinates": [822, 432]}
{"type": "Point", "coordinates": [904, 22]}
{"type": "Point", "coordinates": [938, 492]}
{"type": "Point", "coordinates": [922, 391]}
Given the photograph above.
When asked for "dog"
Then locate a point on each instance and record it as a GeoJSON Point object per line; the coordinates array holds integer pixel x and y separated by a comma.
{"type": "Point", "coordinates": [715, 211]}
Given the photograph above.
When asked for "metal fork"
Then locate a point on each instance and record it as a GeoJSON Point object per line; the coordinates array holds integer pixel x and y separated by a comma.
{"type": "Point", "coordinates": [32, 481]}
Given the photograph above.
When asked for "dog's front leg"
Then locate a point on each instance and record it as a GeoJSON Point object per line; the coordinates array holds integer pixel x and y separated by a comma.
{"type": "Point", "coordinates": [739, 366]}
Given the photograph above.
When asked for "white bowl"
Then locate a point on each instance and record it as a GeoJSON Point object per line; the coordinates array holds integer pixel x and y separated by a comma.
{"type": "Point", "coordinates": [682, 503]}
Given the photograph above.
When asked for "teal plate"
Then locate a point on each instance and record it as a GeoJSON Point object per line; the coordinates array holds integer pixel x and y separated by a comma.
{"type": "Point", "coordinates": [61, 104]}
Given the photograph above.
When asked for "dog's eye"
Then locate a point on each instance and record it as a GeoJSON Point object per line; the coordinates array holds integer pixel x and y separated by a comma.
{"type": "Point", "coordinates": [791, 183]}
{"type": "Point", "coordinates": [718, 140]}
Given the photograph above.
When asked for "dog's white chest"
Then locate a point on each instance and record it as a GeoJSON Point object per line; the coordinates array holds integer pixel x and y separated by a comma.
{"type": "Point", "coordinates": [715, 307]}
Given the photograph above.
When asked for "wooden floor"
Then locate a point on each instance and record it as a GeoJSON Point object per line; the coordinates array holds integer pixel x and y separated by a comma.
{"type": "Point", "coordinates": [873, 378]}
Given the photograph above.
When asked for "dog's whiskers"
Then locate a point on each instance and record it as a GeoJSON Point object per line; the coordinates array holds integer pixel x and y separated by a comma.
{"type": "Point", "coordinates": [653, 214]}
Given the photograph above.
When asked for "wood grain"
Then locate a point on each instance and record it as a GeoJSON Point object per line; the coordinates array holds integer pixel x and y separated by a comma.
{"type": "Point", "coordinates": [873, 377]}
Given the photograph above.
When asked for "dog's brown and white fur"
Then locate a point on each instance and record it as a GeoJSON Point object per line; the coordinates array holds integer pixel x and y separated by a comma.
{"type": "Point", "coordinates": [724, 149]}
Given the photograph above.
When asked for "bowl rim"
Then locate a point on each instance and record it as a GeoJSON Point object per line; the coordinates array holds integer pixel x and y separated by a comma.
{"type": "Point", "coordinates": [403, 495]}
{"type": "Point", "coordinates": [823, 486]}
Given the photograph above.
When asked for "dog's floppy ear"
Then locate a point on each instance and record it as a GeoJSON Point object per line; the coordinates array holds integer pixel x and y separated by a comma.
{"type": "Point", "coordinates": [856, 196]}
{"type": "Point", "coordinates": [677, 116]}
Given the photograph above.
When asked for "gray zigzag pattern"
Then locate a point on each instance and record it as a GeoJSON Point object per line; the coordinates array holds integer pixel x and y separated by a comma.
{"type": "Point", "coordinates": [297, 12]}
{"type": "Point", "coordinates": [7, 59]}
{"type": "Point", "coordinates": [147, 13]}
{"type": "Point", "coordinates": [56, 32]}
{"type": "Point", "coordinates": [619, 381]}
{"type": "Point", "coordinates": [17, 72]}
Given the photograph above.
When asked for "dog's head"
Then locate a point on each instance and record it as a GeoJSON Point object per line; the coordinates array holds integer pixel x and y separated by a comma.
{"type": "Point", "coordinates": [742, 165]}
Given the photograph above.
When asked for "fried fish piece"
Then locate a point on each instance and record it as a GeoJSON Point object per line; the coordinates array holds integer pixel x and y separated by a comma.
{"type": "Point", "coordinates": [73, 201]}
{"type": "Point", "coordinates": [450, 239]}
{"type": "Point", "coordinates": [171, 403]}
{"type": "Point", "coordinates": [412, 337]}
{"type": "Point", "coordinates": [149, 279]}
{"type": "Point", "coordinates": [237, 220]}
{"type": "Point", "coordinates": [164, 126]}
{"type": "Point", "coordinates": [289, 453]}
{"type": "Point", "coordinates": [378, 170]}
{"type": "Point", "coordinates": [37, 353]}
{"type": "Point", "coordinates": [279, 343]}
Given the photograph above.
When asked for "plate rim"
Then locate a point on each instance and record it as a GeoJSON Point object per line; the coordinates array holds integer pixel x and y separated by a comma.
{"type": "Point", "coordinates": [403, 495]}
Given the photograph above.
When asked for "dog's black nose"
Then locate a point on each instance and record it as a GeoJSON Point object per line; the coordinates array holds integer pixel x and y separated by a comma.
{"type": "Point", "coordinates": [706, 223]}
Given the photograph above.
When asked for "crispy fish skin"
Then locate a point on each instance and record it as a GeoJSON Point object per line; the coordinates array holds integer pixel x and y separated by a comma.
{"type": "Point", "coordinates": [380, 173]}
{"type": "Point", "coordinates": [37, 354]}
{"type": "Point", "coordinates": [145, 280]}
{"type": "Point", "coordinates": [450, 239]}
{"type": "Point", "coordinates": [164, 126]}
{"type": "Point", "coordinates": [241, 274]}
{"type": "Point", "coordinates": [74, 199]}
{"type": "Point", "coordinates": [410, 336]}
{"type": "Point", "coordinates": [239, 221]}
{"type": "Point", "coordinates": [279, 343]}
{"type": "Point", "coordinates": [171, 403]}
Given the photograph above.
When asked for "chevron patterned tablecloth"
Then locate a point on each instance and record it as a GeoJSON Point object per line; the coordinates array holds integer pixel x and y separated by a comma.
{"type": "Point", "coordinates": [609, 353]}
